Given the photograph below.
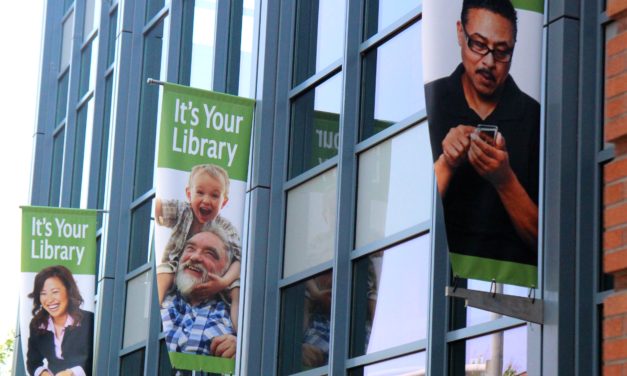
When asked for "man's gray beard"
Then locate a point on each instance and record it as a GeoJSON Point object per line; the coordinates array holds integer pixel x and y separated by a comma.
{"type": "Point", "coordinates": [186, 283]}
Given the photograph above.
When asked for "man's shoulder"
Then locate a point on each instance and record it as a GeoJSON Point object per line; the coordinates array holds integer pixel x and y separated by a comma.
{"type": "Point", "coordinates": [521, 99]}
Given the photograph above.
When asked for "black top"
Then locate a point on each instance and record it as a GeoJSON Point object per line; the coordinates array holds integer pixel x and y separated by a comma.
{"type": "Point", "coordinates": [77, 347]}
{"type": "Point", "coordinates": [477, 223]}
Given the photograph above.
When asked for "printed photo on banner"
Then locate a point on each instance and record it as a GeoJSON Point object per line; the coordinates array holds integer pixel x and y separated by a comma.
{"type": "Point", "coordinates": [202, 167]}
{"type": "Point", "coordinates": [58, 265]}
{"type": "Point", "coordinates": [482, 61]}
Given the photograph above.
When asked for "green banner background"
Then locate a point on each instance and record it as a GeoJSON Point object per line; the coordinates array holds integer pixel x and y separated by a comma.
{"type": "Point", "coordinates": [82, 223]}
{"type": "Point", "coordinates": [485, 269]}
{"type": "Point", "coordinates": [172, 132]}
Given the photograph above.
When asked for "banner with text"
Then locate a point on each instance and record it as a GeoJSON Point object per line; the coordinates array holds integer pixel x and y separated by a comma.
{"type": "Point", "coordinates": [58, 275]}
{"type": "Point", "coordinates": [482, 68]}
{"type": "Point", "coordinates": [202, 169]}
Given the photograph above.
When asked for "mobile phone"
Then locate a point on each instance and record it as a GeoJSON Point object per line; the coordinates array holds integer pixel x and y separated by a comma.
{"type": "Point", "coordinates": [487, 132]}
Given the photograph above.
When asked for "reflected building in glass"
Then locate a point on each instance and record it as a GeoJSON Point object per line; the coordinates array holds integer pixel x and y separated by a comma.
{"type": "Point", "coordinates": [344, 260]}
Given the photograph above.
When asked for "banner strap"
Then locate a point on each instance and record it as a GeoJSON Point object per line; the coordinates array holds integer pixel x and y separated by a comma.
{"type": "Point", "coordinates": [152, 81]}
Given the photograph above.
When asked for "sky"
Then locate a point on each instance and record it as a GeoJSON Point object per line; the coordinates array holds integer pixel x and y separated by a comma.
{"type": "Point", "coordinates": [20, 35]}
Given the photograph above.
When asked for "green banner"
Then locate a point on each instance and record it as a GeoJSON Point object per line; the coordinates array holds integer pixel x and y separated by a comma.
{"type": "Point", "coordinates": [200, 127]}
{"type": "Point", "coordinates": [531, 5]}
{"type": "Point", "coordinates": [58, 236]}
{"type": "Point", "coordinates": [202, 363]}
{"type": "Point", "coordinates": [486, 269]}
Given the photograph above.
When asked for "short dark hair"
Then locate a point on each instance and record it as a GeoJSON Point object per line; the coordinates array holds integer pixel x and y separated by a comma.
{"type": "Point", "coordinates": [75, 300]}
{"type": "Point", "coordinates": [501, 7]}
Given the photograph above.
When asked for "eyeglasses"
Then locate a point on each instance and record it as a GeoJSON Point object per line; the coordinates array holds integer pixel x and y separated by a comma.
{"type": "Point", "coordinates": [500, 55]}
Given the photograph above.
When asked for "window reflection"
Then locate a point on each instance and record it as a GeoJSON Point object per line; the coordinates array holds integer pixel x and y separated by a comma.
{"type": "Point", "coordinates": [393, 84]}
{"type": "Point", "coordinates": [391, 296]}
{"type": "Point", "coordinates": [319, 38]}
{"type": "Point", "coordinates": [55, 171]}
{"type": "Point", "coordinates": [82, 156]}
{"type": "Point", "coordinates": [394, 186]}
{"type": "Point", "coordinates": [137, 312]}
{"type": "Point", "coordinates": [410, 365]}
{"type": "Point", "coordinates": [310, 223]}
{"type": "Point", "coordinates": [305, 324]}
{"type": "Point", "coordinates": [66, 42]}
{"type": "Point", "coordinates": [315, 126]}
{"type": "Point", "coordinates": [203, 44]}
{"type": "Point", "coordinates": [246, 51]}
{"type": "Point", "coordinates": [501, 353]}
{"type": "Point", "coordinates": [380, 14]}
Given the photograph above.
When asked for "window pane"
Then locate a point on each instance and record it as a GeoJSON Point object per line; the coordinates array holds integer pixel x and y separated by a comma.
{"type": "Point", "coordinates": [165, 367]}
{"type": "Point", "coordinates": [62, 88]}
{"type": "Point", "coordinates": [203, 44]}
{"type": "Point", "coordinates": [393, 85]}
{"type": "Point", "coordinates": [305, 325]}
{"type": "Point", "coordinates": [137, 313]}
{"type": "Point", "coordinates": [92, 15]}
{"type": "Point", "coordinates": [113, 29]}
{"type": "Point", "coordinates": [82, 156]}
{"type": "Point", "coordinates": [395, 186]}
{"type": "Point", "coordinates": [380, 14]}
{"type": "Point", "coordinates": [104, 147]}
{"type": "Point", "coordinates": [502, 353]}
{"type": "Point", "coordinates": [315, 126]}
{"type": "Point", "coordinates": [391, 295]}
{"type": "Point", "coordinates": [133, 363]}
{"type": "Point", "coordinates": [319, 38]}
{"type": "Point", "coordinates": [142, 225]}
{"type": "Point", "coordinates": [88, 68]}
{"type": "Point", "coordinates": [153, 7]}
{"type": "Point", "coordinates": [57, 167]}
{"type": "Point", "coordinates": [66, 42]}
{"type": "Point", "coordinates": [147, 129]}
{"type": "Point", "coordinates": [410, 365]}
{"type": "Point", "coordinates": [310, 223]}
{"type": "Point", "coordinates": [246, 51]}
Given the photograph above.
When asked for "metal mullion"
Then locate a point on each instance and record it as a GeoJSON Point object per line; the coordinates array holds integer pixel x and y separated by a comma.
{"type": "Point", "coordinates": [391, 31]}
{"type": "Point", "coordinates": [313, 172]}
{"type": "Point", "coordinates": [388, 354]}
{"type": "Point", "coordinates": [138, 271]}
{"type": "Point", "coordinates": [84, 99]}
{"type": "Point", "coordinates": [320, 371]}
{"type": "Point", "coordinates": [480, 330]}
{"type": "Point", "coordinates": [67, 13]}
{"type": "Point", "coordinates": [305, 274]}
{"type": "Point", "coordinates": [150, 194]}
{"type": "Point", "coordinates": [91, 36]}
{"type": "Point", "coordinates": [390, 241]}
{"type": "Point", "coordinates": [64, 71]}
{"type": "Point", "coordinates": [417, 119]}
{"type": "Point", "coordinates": [132, 348]}
{"type": "Point", "coordinates": [58, 128]}
{"type": "Point", "coordinates": [154, 21]}
{"type": "Point", "coordinates": [112, 8]}
{"type": "Point", "coordinates": [606, 154]}
{"type": "Point", "coordinates": [316, 79]}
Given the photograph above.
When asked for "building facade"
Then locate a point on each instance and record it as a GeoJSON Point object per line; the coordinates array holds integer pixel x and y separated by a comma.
{"type": "Point", "coordinates": [336, 203]}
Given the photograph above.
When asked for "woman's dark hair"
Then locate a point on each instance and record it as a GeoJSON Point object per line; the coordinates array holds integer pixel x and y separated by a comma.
{"type": "Point", "coordinates": [40, 316]}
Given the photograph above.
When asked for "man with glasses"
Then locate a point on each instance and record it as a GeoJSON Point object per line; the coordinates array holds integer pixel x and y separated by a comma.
{"type": "Point", "coordinates": [488, 182]}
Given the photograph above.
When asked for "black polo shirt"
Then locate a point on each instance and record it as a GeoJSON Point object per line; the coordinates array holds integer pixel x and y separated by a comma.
{"type": "Point", "coordinates": [477, 223]}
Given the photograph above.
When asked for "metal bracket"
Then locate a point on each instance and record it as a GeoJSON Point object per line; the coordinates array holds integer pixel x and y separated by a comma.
{"type": "Point", "coordinates": [519, 307]}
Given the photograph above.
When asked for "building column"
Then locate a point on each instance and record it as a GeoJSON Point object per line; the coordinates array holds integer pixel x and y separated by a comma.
{"type": "Point", "coordinates": [615, 194]}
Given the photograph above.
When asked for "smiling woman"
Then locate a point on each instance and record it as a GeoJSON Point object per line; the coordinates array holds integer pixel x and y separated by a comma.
{"type": "Point", "coordinates": [60, 341]}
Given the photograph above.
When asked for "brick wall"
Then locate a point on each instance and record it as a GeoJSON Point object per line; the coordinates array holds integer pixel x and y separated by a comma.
{"type": "Point", "coordinates": [615, 198]}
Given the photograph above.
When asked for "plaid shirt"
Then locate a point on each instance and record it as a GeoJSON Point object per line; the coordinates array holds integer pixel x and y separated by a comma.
{"type": "Point", "coordinates": [190, 329]}
{"type": "Point", "coordinates": [178, 216]}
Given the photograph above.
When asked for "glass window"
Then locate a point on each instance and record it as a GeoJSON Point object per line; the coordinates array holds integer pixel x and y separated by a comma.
{"type": "Point", "coordinates": [113, 28]}
{"type": "Point", "coordinates": [501, 353]}
{"type": "Point", "coordinates": [246, 51]}
{"type": "Point", "coordinates": [147, 129]}
{"type": "Point", "coordinates": [142, 226]}
{"type": "Point", "coordinates": [305, 324]}
{"type": "Point", "coordinates": [137, 313]}
{"type": "Point", "coordinates": [409, 365]}
{"type": "Point", "coordinates": [153, 7]}
{"type": "Point", "coordinates": [92, 15]}
{"type": "Point", "coordinates": [62, 89]}
{"type": "Point", "coordinates": [133, 363]}
{"type": "Point", "coordinates": [315, 126]}
{"type": "Point", "coordinates": [82, 155]}
{"type": "Point", "coordinates": [395, 179]}
{"type": "Point", "coordinates": [56, 169]}
{"type": "Point", "coordinates": [319, 38]}
{"type": "Point", "coordinates": [391, 296]}
{"type": "Point", "coordinates": [393, 86]}
{"type": "Point", "coordinates": [67, 4]}
{"type": "Point", "coordinates": [310, 223]}
{"type": "Point", "coordinates": [165, 367]}
{"type": "Point", "coordinates": [201, 63]}
{"type": "Point", "coordinates": [66, 42]}
{"type": "Point", "coordinates": [380, 14]}
{"type": "Point", "coordinates": [88, 68]}
{"type": "Point", "coordinates": [104, 147]}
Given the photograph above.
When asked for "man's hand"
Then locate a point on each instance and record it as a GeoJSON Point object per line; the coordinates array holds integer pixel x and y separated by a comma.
{"type": "Point", "coordinates": [491, 162]}
{"type": "Point", "coordinates": [224, 346]}
{"type": "Point", "coordinates": [456, 144]}
{"type": "Point", "coordinates": [208, 289]}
